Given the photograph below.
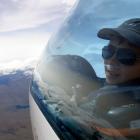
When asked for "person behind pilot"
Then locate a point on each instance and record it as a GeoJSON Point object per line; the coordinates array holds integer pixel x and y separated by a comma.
{"type": "Point", "coordinates": [122, 54]}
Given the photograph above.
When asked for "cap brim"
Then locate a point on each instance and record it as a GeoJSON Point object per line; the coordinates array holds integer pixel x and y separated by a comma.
{"type": "Point", "coordinates": [109, 33]}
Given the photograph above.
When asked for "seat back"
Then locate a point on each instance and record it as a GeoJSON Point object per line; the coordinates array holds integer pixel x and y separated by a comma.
{"type": "Point", "coordinates": [72, 73]}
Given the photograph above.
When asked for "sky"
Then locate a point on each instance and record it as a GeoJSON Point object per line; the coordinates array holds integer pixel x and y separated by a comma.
{"type": "Point", "coordinates": [26, 26]}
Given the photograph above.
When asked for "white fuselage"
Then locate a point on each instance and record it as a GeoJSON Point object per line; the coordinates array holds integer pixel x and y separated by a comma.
{"type": "Point", "coordinates": [40, 126]}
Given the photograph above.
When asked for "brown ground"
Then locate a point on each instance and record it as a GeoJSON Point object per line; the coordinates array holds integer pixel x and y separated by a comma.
{"type": "Point", "coordinates": [14, 107]}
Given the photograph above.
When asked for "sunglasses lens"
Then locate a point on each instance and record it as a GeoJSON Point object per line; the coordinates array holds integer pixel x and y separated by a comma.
{"type": "Point", "coordinates": [107, 52]}
{"type": "Point", "coordinates": [126, 56]}
{"type": "Point", "coordinates": [123, 55]}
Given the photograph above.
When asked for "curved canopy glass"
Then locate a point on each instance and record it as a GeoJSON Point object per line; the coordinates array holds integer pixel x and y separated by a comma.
{"type": "Point", "coordinates": [91, 90]}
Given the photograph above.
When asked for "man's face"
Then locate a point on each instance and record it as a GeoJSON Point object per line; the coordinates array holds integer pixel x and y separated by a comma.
{"type": "Point", "coordinates": [116, 72]}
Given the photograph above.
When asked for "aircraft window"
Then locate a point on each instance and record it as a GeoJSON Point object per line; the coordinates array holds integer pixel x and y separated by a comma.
{"type": "Point", "coordinates": [88, 78]}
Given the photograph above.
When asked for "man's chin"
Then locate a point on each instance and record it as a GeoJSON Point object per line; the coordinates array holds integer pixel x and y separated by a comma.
{"type": "Point", "coordinates": [112, 81]}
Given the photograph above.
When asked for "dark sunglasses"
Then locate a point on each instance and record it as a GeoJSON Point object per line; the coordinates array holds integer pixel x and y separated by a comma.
{"type": "Point", "coordinates": [125, 56]}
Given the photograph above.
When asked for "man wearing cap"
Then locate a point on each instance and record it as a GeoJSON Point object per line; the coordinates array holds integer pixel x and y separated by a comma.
{"type": "Point", "coordinates": [122, 54]}
{"type": "Point", "coordinates": [120, 105]}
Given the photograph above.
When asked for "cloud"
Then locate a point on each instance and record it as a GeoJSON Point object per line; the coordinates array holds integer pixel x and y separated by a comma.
{"type": "Point", "coordinates": [22, 46]}
{"type": "Point", "coordinates": [18, 64]}
{"type": "Point", "coordinates": [17, 14]}
{"type": "Point", "coordinates": [13, 66]}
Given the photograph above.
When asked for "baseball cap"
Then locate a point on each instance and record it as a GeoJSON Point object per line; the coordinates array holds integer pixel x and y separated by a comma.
{"type": "Point", "coordinates": [129, 30]}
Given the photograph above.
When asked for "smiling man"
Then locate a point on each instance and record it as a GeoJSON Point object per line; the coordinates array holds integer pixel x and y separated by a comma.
{"type": "Point", "coordinates": [118, 103]}
{"type": "Point", "coordinates": [122, 54]}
